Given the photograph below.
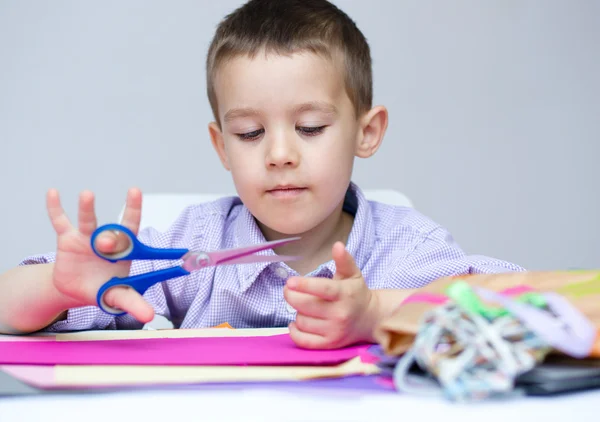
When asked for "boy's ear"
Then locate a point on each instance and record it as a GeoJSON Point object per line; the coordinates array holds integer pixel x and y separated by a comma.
{"type": "Point", "coordinates": [373, 125]}
{"type": "Point", "coordinates": [216, 137]}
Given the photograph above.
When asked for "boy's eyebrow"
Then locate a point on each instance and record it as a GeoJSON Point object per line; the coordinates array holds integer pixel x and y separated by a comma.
{"type": "Point", "coordinates": [239, 112]}
{"type": "Point", "coordinates": [316, 106]}
{"type": "Point", "coordinates": [309, 106]}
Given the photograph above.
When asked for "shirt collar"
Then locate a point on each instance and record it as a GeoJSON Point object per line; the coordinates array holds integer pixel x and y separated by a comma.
{"type": "Point", "coordinates": [360, 241]}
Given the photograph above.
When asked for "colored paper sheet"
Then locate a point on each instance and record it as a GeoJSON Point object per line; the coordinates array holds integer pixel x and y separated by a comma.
{"type": "Point", "coordinates": [265, 350]}
{"type": "Point", "coordinates": [102, 376]}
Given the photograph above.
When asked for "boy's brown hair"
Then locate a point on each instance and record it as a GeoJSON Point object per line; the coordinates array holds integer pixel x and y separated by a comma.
{"type": "Point", "coordinates": [288, 26]}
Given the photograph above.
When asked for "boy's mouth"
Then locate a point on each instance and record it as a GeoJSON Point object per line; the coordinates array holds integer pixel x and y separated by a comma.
{"type": "Point", "coordinates": [286, 191]}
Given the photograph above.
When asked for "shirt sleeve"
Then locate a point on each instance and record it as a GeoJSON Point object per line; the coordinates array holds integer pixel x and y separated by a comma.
{"type": "Point", "coordinates": [437, 255]}
{"type": "Point", "coordinates": [92, 317]}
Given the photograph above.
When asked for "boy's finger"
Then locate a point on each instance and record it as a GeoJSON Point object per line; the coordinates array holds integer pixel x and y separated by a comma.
{"type": "Point", "coordinates": [133, 210]}
{"type": "Point", "coordinates": [57, 215]}
{"type": "Point", "coordinates": [87, 215]}
{"type": "Point", "coordinates": [307, 340]}
{"type": "Point", "coordinates": [345, 267]}
{"type": "Point", "coordinates": [110, 242]}
{"type": "Point", "coordinates": [129, 301]}
{"type": "Point", "coordinates": [325, 288]}
{"type": "Point", "coordinates": [306, 304]}
{"type": "Point", "coordinates": [312, 325]}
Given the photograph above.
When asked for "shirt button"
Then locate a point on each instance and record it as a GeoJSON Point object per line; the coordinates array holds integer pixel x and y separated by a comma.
{"type": "Point", "coordinates": [290, 309]}
{"type": "Point", "coordinates": [281, 272]}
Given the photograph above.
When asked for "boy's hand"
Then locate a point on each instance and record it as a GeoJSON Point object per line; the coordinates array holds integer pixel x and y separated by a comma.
{"type": "Point", "coordinates": [332, 313]}
{"type": "Point", "coordinates": [78, 272]}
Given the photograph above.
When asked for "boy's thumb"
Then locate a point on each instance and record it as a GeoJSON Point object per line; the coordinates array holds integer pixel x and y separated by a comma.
{"type": "Point", "coordinates": [345, 267]}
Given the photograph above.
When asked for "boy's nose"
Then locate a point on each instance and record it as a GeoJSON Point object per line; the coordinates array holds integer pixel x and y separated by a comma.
{"type": "Point", "coordinates": [282, 153]}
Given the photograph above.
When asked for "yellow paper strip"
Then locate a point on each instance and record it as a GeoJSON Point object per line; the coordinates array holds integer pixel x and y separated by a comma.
{"type": "Point", "coordinates": [585, 288]}
{"type": "Point", "coordinates": [90, 376]}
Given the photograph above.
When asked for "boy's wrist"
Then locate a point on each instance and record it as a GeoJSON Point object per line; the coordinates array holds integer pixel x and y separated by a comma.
{"type": "Point", "coordinates": [383, 303]}
{"type": "Point", "coordinates": [45, 305]}
{"type": "Point", "coordinates": [374, 315]}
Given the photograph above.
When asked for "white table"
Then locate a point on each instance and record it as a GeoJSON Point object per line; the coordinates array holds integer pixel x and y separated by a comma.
{"type": "Point", "coordinates": [272, 405]}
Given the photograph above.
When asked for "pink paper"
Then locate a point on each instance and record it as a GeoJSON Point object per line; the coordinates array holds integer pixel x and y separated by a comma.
{"type": "Point", "coordinates": [517, 290]}
{"type": "Point", "coordinates": [433, 298]}
{"type": "Point", "coordinates": [262, 350]}
{"type": "Point", "coordinates": [366, 357]}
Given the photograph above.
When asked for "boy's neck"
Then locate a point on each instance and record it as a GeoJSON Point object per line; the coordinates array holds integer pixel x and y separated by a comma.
{"type": "Point", "coordinates": [315, 245]}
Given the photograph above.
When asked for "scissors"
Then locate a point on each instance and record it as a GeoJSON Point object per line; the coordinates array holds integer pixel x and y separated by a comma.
{"type": "Point", "coordinates": [192, 261]}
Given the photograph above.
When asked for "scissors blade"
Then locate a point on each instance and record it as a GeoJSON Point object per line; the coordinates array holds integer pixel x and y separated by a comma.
{"type": "Point", "coordinates": [196, 260]}
{"type": "Point", "coordinates": [250, 259]}
{"type": "Point", "coordinates": [221, 257]}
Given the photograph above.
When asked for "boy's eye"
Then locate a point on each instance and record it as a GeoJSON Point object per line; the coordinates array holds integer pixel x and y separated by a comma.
{"type": "Point", "coordinates": [250, 136]}
{"type": "Point", "coordinates": [311, 131]}
{"type": "Point", "coordinates": [306, 131]}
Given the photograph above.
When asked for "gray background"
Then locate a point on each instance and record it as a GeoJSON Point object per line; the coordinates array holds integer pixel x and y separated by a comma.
{"type": "Point", "coordinates": [494, 109]}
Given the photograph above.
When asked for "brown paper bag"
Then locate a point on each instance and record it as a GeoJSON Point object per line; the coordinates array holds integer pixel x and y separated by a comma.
{"type": "Point", "coordinates": [581, 288]}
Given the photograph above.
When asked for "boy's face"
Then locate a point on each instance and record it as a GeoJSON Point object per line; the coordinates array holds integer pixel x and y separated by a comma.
{"type": "Point", "coordinates": [288, 135]}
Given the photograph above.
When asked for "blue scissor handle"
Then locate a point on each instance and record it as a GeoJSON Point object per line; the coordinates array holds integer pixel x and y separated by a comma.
{"type": "Point", "coordinates": [136, 250]}
{"type": "Point", "coordinates": [140, 283]}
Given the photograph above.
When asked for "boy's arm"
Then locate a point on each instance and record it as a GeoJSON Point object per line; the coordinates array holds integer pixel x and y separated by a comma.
{"type": "Point", "coordinates": [29, 302]}
{"type": "Point", "coordinates": [436, 256]}
{"type": "Point", "coordinates": [340, 311]}
{"type": "Point", "coordinates": [30, 287]}
{"type": "Point", "coordinates": [57, 292]}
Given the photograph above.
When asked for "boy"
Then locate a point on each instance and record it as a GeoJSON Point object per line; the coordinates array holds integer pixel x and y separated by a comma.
{"type": "Point", "coordinates": [290, 86]}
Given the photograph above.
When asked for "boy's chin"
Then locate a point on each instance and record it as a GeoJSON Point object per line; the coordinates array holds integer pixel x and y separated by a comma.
{"type": "Point", "coordinates": [289, 225]}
